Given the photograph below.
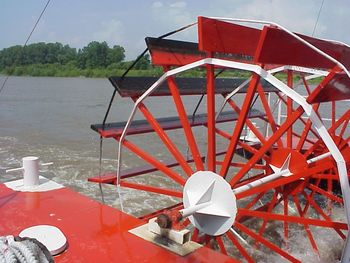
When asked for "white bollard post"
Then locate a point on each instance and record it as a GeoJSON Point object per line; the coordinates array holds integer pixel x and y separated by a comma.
{"type": "Point", "coordinates": [31, 171]}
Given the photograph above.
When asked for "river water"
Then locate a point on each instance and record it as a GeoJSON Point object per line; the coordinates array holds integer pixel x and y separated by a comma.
{"type": "Point", "coordinates": [51, 118]}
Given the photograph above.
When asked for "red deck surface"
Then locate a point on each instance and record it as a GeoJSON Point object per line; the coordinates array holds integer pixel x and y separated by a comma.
{"type": "Point", "coordinates": [95, 232]}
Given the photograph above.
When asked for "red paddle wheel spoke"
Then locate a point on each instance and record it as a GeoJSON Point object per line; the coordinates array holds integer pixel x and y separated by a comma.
{"type": "Point", "coordinates": [151, 189]}
{"type": "Point", "coordinates": [285, 212]}
{"type": "Point", "coordinates": [240, 248]}
{"type": "Point", "coordinates": [323, 214]}
{"type": "Point", "coordinates": [295, 219]}
{"type": "Point", "coordinates": [327, 194]}
{"type": "Point", "coordinates": [266, 243]}
{"type": "Point", "coordinates": [154, 162]}
{"type": "Point", "coordinates": [239, 125]}
{"type": "Point", "coordinates": [266, 146]}
{"type": "Point", "coordinates": [241, 143]}
{"type": "Point", "coordinates": [306, 131]}
{"type": "Point", "coordinates": [211, 149]}
{"type": "Point", "coordinates": [221, 245]}
{"type": "Point", "coordinates": [269, 114]}
{"type": "Point", "coordinates": [271, 205]}
{"type": "Point", "coordinates": [345, 125]}
{"type": "Point", "coordinates": [165, 139]}
{"type": "Point", "coordinates": [306, 227]}
{"type": "Point", "coordinates": [300, 118]}
{"type": "Point", "coordinates": [248, 122]}
{"type": "Point", "coordinates": [185, 124]}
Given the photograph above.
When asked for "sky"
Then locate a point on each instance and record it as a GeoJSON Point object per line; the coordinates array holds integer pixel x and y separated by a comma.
{"type": "Point", "coordinates": [128, 22]}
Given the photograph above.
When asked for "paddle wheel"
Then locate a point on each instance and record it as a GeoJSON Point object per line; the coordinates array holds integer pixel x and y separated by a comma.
{"type": "Point", "coordinates": [287, 177]}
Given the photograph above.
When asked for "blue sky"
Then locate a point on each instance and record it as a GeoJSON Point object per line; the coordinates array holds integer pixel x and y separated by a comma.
{"type": "Point", "coordinates": [126, 23]}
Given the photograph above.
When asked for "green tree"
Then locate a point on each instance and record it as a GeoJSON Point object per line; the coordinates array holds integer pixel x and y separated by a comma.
{"type": "Point", "coordinates": [8, 56]}
{"type": "Point", "coordinates": [143, 63]}
{"type": "Point", "coordinates": [115, 54]}
{"type": "Point", "coordinates": [94, 55]}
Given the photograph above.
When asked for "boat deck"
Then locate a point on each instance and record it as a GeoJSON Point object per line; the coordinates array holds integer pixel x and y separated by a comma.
{"type": "Point", "coordinates": [95, 232]}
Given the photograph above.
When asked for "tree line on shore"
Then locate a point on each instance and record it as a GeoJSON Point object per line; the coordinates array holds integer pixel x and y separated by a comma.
{"type": "Point", "coordinates": [96, 59]}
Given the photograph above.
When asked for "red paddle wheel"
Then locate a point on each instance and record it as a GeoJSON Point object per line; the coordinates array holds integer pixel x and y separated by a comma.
{"type": "Point", "coordinates": [279, 139]}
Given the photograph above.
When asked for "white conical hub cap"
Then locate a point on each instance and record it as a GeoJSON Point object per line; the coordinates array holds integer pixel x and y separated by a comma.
{"type": "Point", "coordinates": [217, 216]}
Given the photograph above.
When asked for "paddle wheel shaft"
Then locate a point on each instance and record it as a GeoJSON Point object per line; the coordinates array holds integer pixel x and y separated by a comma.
{"type": "Point", "coordinates": [275, 141]}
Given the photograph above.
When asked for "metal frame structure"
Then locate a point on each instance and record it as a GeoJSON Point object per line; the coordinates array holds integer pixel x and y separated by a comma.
{"type": "Point", "coordinates": [292, 164]}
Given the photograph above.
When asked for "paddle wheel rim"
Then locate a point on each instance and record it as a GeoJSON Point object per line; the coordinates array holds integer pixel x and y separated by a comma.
{"type": "Point", "coordinates": [304, 166]}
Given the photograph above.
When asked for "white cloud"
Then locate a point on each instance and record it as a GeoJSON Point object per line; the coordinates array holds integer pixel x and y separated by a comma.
{"type": "Point", "coordinates": [298, 16]}
{"type": "Point", "coordinates": [180, 4]}
{"type": "Point", "coordinates": [110, 31]}
{"type": "Point", "coordinates": [172, 15]}
{"type": "Point", "coordinates": [157, 4]}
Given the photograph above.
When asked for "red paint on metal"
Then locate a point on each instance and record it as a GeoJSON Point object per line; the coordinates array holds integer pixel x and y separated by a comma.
{"type": "Point", "coordinates": [165, 139]}
{"type": "Point", "coordinates": [111, 178]}
{"type": "Point", "coordinates": [265, 242]}
{"type": "Point", "coordinates": [211, 148]}
{"type": "Point", "coordinates": [95, 232]}
{"type": "Point", "coordinates": [268, 112]}
{"type": "Point", "coordinates": [265, 147]}
{"type": "Point", "coordinates": [293, 219]}
{"type": "Point", "coordinates": [290, 110]}
{"type": "Point", "coordinates": [219, 36]}
{"type": "Point", "coordinates": [185, 123]}
{"type": "Point", "coordinates": [164, 58]}
{"type": "Point", "coordinates": [279, 47]}
{"type": "Point", "coordinates": [248, 122]}
{"type": "Point", "coordinates": [313, 169]}
{"type": "Point", "coordinates": [152, 189]}
{"type": "Point", "coordinates": [338, 88]}
{"type": "Point", "coordinates": [239, 125]}
{"type": "Point", "coordinates": [283, 49]}
{"type": "Point", "coordinates": [154, 162]}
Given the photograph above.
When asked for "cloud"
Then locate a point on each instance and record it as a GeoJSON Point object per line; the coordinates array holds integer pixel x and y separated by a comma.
{"type": "Point", "coordinates": [180, 4]}
{"type": "Point", "coordinates": [111, 31]}
{"type": "Point", "coordinates": [171, 15]}
{"type": "Point", "coordinates": [287, 13]}
{"type": "Point", "coordinates": [294, 15]}
{"type": "Point", "coordinates": [157, 4]}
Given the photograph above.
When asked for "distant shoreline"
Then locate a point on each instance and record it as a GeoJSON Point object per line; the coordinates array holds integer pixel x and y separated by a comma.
{"type": "Point", "coordinates": [54, 70]}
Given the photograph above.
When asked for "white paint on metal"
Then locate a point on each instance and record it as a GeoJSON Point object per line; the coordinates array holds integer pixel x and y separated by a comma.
{"type": "Point", "coordinates": [31, 181]}
{"type": "Point", "coordinates": [250, 135]}
{"type": "Point", "coordinates": [229, 96]}
{"type": "Point", "coordinates": [284, 169]}
{"type": "Point", "coordinates": [318, 158]}
{"type": "Point", "coordinates": [239, 236]}
{"type": "Point", "coordinates": [31, 171]}
{"type": "Point", "coordinates": [50, 236]}
{"type": "Point", "coordinates": [279, 172]}
{"type": "Point", "coordinates": [43, 186]}
{"type": "Point", "coordinates": [209, 203]}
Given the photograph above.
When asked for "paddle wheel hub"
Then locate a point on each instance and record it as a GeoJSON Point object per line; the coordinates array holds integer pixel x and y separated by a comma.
{"type": "Point", "coordinates": [296, 164]}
